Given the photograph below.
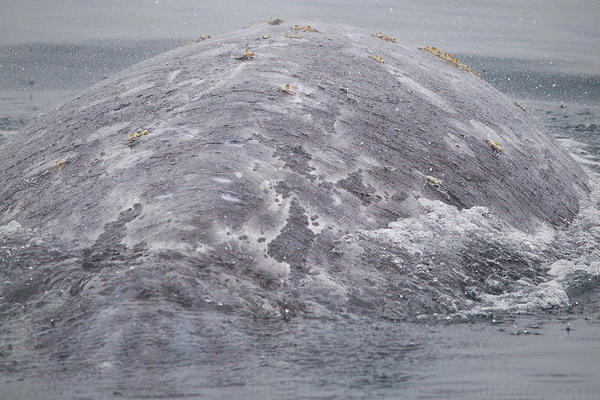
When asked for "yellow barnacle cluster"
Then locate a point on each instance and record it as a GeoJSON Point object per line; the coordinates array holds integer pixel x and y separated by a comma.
{"type": "Point", "coordinates": [274, 21]}
{"type": "Point", "coordinates": [287, 35]}
{"type": "Point", "coordinates": [377, 58]}
{"type": "Point", "coordinates": [306, 28]}
{"type": "Point", "coordinates": [270, 21]}
{"type": "Point", "coordinates": [287, 90]}
{"type": "Point", "coordinates": [384, 37]}
{"type": "Point", "coordinates": [246, 55]}
{"type": "Point", "coordinates": [516, 103]}
{"type": "Point", "coordinates": [494, 146]}
{"type": "Point", "coordinates": [135, 135]}
{"type": "Point", "coordinates": [448, 58]}
{"type": "Point", "coordinates": [201, 37]}
{"type": "Point", "coordinates": [59, 163]}
{"type": "Point", "coordinates": [434, 181]}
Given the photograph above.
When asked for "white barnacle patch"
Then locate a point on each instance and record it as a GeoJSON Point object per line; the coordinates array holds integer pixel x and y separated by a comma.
{"type": "Point", "coordinates": [135, 90]}
{"type": "Point", "coordinates": [172, 76]}
{"type": "Point", "coordinates": [229, 196]}
{"type": "Point", "coordinates": [188, 83]}
{"type": "Point", "coordinates": [223, 181]}
{"type": "Point", "coordinates": [233, 143]}
{"type": "Point", "coordinates": [459, 146]}
{"type": "Point", "coordinates": [274, 108]}
{"type": "Point", "coordinates": [203, 248]}
{"type": "Point", "coordinates": [164, 196]}
{"type": "Point", "coordinates": [419, 90]}
{"type": "Point", "coordinates": [86, 106]}
{"type": "Point", "coordinates": [117, 158]}
{"type": "Point", "coordinates": [482, 130]}
{"type": "Point", "coordinates": [106, 365]}
{"type": "Point", "coordinates": [108, 131]}
{"type": "Point", "coordinates": [157, 245]}
{"type": "Point", "coordinates": [336, 200]}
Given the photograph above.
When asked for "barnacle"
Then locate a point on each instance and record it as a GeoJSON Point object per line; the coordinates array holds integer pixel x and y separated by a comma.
{"type": "Point", "coordinates": [448, 58]}
{"type": "Point", "coordinates": [287, 90]}
{"type": "Point", "coordinates": [246, 55]}
{"type": "Point", "coordinates": [516, 103]}
{"type": "Point", "coordinates": [201, 37]}
{"type": "Point", "coordinates": [287, 35]}
{"type": "Point", "coordinates": [434, 181]}
{"type": "Point", "coordinates": [270, 21]}
{"type": "Point", "coordinates": [384, 37]}
{"type": "Point", "coordinates": [306, 28]}
{"type": "Point", "coordinates": [494, 146]}
{"type": "Point", "coordinates": [138, 134]}
{"type": "Point", "coordinates": [59, 163]}
{"type": "Point", "coordinates": [377, 58]}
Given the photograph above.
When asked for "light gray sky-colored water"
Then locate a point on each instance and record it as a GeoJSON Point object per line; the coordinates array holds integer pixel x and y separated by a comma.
{"type": "Point", "coordinates": [562, 32]}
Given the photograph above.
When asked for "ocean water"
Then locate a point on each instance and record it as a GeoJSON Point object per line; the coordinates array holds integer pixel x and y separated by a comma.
{"type": "Point", "coordinates": [536, 337]}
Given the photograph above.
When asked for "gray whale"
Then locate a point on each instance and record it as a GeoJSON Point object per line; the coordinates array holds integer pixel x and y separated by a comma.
{"type": "Point", "coordinates": [241, 199]}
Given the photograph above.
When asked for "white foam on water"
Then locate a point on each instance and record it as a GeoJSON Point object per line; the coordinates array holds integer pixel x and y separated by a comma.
{"type": "Point", "coordinates": [562, 268]}
{"type": "Point", "coordinates": [10, 228]}
{"type": "Point", "coordinates": [581, 155]}
{"type": "Point", "coordinates": [579, 242]}
{"type": "Point", "coordinates": [445, 226]}
{"type": "Point", "coordinates": [445, 238]}
{"type": "Point", "coordinates": [528, 298]}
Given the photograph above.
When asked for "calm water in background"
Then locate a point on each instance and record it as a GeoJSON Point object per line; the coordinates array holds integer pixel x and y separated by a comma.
{"type": "Point", "coordinates": [536, 48]}
{"type": "Point", "coordinates": [544, 54]}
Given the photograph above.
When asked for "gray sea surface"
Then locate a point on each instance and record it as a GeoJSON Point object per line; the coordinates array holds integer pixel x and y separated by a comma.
{"type": "Point", "coordinates": [533, 344]}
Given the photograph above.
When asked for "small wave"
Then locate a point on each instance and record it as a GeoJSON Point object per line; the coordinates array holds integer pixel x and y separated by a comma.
{"type": "Point", "coordinates": [573, 260]}
{"type": "Point", "coordinates": [586, 128]}
{"type": "Point", "coordinates": [449, 260]}
{"type": "Point", "coordinates": [10, 124]}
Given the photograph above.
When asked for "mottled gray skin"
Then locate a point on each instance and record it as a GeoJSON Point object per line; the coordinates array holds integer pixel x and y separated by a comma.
{"type": "Point", "coordinates": [147, 257]}
{"type": "Point", "coordinates": [245, 198]}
